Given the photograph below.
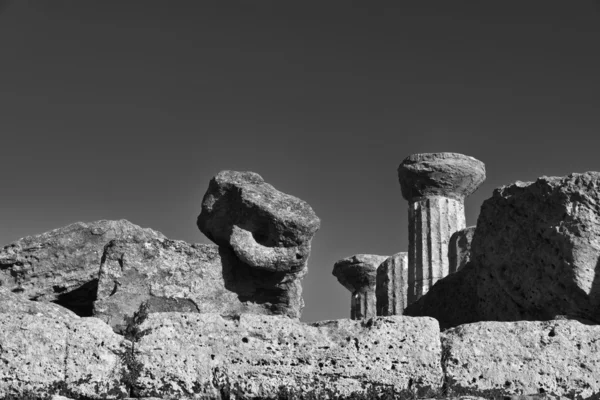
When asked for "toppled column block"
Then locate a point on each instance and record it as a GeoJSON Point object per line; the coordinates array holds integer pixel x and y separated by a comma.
{"type": "Point", "coordinates": [269, 357]}
{"type": "Point", "coordinates": [556, 358]}
{"type": "Point", "coordinates": [459, 248]}
{"type": "Point", "coordinates": [435, 185]}
{"type": "Point", "coordinates": [358, 274]}
{"type": "Point", "coordinates": [266, 230]}
{"type": "Point", "coordinates": [392, 285]}
{"type": "Point", "coordinates": [62, 265]}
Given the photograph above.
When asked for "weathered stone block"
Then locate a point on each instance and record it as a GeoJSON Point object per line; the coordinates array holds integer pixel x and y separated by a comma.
{"type": "Point", "coordinates": [62, 265]}
{"type": "Point", "coordinates": [263, 356]}
{"type": "Point", "coordinates": [172, 275]}
{"type": "Point", "coordinates": [79, 357]}
{"type": "Point", "coordinates": [537, 246]}
{"type": "Point", "coordinates": [560, 358]}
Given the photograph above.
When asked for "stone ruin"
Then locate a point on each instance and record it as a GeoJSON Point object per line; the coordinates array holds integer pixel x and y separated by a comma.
{"type": "Point", "coordinates": [509, 307]}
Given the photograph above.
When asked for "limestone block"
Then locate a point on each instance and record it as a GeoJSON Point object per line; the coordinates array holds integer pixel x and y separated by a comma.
{"type": "Point", "coordinates": [266, 356]}
{"type": "Point", "coordinates": [559, 358]}
{"type": "Point", "coordinates": [392, 285]}
{"type": "Point", "coordinates": [537, 246]}
{"type": "Point", "coordinates": [172, 275]}
{"type": "Point", "coordinates": [42, 355]}
{"type": "Point", "coordinates": [459, 248]}
{"type": "Point", "coordinates": [62, 265]}
{"type": "Point", "coordinates": [358, 274]}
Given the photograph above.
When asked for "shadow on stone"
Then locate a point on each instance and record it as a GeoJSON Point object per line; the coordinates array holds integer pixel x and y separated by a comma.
{"type": "Point", "coordinates": [251, 285]}
{"type": "Point", "coordinates": [80, 300]}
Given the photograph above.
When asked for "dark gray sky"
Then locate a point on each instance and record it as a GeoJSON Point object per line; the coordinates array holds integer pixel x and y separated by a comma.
{"type": "Point", "coordinates": [125, 109]}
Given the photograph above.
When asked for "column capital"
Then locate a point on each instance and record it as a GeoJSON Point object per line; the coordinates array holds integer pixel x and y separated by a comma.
{"type": "Point", "coordinates": [451, 175]}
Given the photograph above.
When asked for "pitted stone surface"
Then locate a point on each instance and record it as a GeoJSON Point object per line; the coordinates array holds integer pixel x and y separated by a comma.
{"type": "Point", "coordinates": [358, 274]}
{"type": "Point", "coordinates": [560, 358]}
{"type": "Point", "coordinates": [12, 303]}
{"type": "Point", "coordinates": [459, 248]}
{"type": "Point", "coordinates": [260, 356]}
{"type": "Point", "coordinates": [392, 285]}
{"type": "Point", "coordinates": [537, 246]}
{"type": "Point", "coordinates": [42, 355]}
{"type": "Point", "coordinates": [265, 228]}
{"type": "Point", "coordinates": [172, 275]}
{"type": "Point", "coordinates": [62, 265]}
{"type": "Point", "coordinates": [450, 175]}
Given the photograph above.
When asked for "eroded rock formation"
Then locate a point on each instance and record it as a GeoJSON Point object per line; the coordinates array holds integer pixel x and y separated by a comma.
{"type": "Point", "coordinates": [62, 265]}
{"type": "Point", "coordinates": [435, 185]}
{"type": "Point", "coordinates": [358, 274]}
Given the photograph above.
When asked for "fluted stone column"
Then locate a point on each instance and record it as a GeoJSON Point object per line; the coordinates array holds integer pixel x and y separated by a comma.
{"type": "Point", "coordinates": [358, 274]}
{"type": "Point", "coordinates": [392, 285]}
{"type": "Point", "coordinates": [435, 185]}
{"type": "Point", "coordinates": [459, 248]}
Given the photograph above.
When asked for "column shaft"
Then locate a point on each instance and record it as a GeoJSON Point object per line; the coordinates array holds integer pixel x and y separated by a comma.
{"type": "Point", "coordinates": [392, 285]}
{"type": "Point", "coordinates": [362, 305]}
{"type": "Point", "coordinates": [431, 222]}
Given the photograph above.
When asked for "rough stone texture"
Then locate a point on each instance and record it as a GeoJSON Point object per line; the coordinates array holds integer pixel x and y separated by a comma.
{"type": "Point", "coordinates": [62, 265]}
{"type": "Point", "coordinates": [432, 221]}
{"type": "Point", "coordinates": [265, 228]}
{"type": "Point", "coordinates": [12, 303]}
{"type": "Point", "coordinates": [170, 275]}
{"type": "Point", "coordinates": [435, 185]}
{"type": "Point", "coordinates": [450, 175]}
{"type": "Point", "coordinates": [452, 300]}
{"type": "Point", "coordinates": [459, 248]}
{"type": "Point", "coordinates": [537, 248]}
{"type": "Point", "coordinates": [358, 274]}
{"type": "Point", "coordinates": [262, 356]}
{"type": "Point", "coordinates": [560, 358]}
{"type": "Point", "coordinates": [392, 285]}
{"type": "Point", "coordinates": [41, 355]}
